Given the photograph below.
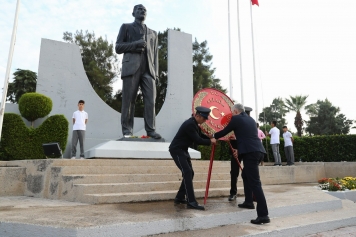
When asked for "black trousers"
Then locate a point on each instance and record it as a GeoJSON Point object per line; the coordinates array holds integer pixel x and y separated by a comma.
{"type": "Point", "coordinates": [143, 79]}
{"type": "Point", "coordinates": [252, 183]}
{"type": "Point", "coordinates": [184, 163]}
{"type": "Point", "coordinates": [234, 174]}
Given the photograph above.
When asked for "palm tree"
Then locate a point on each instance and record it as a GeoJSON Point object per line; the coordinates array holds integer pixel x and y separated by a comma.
{"type": "Point", "coordinates": [296, 104]}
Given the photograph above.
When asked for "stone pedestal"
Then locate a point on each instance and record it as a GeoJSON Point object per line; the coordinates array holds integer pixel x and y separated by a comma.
{"type": "Point", "coordinates": [134, 149]}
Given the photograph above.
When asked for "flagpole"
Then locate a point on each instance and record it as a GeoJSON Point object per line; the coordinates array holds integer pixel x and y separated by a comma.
{"type": "Point", "coordinates": [254, 64]}
{"type": "Point", "coordinates": [230, 76]}
{"type": "Point", "coordinates": [9, 62]}
{"type": "Point", "coordinates": [238, 30]}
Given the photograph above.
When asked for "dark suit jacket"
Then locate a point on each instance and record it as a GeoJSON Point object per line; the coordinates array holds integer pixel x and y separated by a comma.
{"type": "Point", "coordinates": [125, 43]}
{"type": "Point", "coordinates": [188, 133]}
{"type": "Point", "coordinates": [245, 131]}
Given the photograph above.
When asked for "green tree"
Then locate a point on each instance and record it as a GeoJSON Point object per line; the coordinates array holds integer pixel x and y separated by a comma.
{"type": "Point", "coordinates": [295, 104]}
{"type": "Point", "coordinates": [161, 85]}
{"type": "Point", "coordinates": [24, 81]}
{"type": "Point", "coordinates": [203, 74]}
{"type": "Point", "coordinates": [99, 60]}
{"type": "Point", "coordinates": [275, 112]}
{"type": "Point", "coordinates": [326, 119]}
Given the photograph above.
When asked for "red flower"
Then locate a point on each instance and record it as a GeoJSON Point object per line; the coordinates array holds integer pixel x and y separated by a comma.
{"type": "Point", "coordinates": [323, 180]}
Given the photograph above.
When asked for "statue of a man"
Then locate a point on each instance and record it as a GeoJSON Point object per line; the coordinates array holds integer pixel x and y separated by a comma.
{"type": "Point", "coordinates": [139, 44]}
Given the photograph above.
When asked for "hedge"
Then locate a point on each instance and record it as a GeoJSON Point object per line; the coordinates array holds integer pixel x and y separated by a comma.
{"type": "Point", "coordinates": [34, 105]}
{"type": "Point", "coordinates": [329, 148]}
{"type": "Point", "coordinates": [21, 142]}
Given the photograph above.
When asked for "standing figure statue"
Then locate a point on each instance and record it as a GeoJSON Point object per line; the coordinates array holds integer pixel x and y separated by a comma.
{"type": "Point", "coordinates": [139, 44]}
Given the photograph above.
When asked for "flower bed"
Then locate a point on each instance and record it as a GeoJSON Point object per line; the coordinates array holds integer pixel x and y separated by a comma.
{"type": "Point", "coordinates": [337, 184]}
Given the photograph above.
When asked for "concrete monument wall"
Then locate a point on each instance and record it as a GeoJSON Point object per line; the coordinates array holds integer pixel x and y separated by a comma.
{"type": "Point", "coordinates": [178, 103]}
{"type": "Point", "coordinates": [61, 76]}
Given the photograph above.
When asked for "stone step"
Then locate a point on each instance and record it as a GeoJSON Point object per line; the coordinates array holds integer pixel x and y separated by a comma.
{"type": "Point", "coordinates": [149, 196]}
{"type": "Point", "coordinates": [220, 213]}
{"type": "Point", "coordinates": [293, 225]}
{"type": "Point", "coordinates": [132, 178]}
{"type": "Point", "coordinates": [295, 210]}
{"type": "Point", "coordinates": [135, 170]}
{"type": "Point", "coordinates": [131, 162]}
{"type": "Point", "coordinates": [145, 186]}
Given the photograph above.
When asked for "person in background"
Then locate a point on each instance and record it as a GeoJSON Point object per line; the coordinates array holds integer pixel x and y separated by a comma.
{"type": "Point", "coordinates": [80, 119]}
{"type": "Point", "coordinates": [288, 146]}
{"type": "Point", "coordinates": [274, 133]}
{"type": "Point", "coordinates": [261, 136]}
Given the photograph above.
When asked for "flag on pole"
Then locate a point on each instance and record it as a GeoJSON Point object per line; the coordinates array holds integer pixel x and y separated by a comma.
{"type": "Point", "coordinates": [254, 2]}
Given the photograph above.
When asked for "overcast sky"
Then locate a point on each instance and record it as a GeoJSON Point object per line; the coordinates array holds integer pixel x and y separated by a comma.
{"type": "Point", "coordinates": [302, 47]}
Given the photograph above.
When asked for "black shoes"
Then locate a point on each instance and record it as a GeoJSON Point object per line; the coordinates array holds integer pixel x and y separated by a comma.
{"type": "Point", "coordinates": [246, 205]}
{"type": "Point", "coordinates": [232, 197]}
{"type": "Point", "coordinates": [261, 220]}
{"type": "Point", "coordinates": [180, 201]}
{"type": "Point", "coordinates": [190, 205]}
{"type": "Point", "coordinates": [154, 135]}
{"type": "Point", "coordinates": [195, 205]}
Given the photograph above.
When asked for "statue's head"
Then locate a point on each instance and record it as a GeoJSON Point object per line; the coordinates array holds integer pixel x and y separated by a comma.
{"type": "Point", "coordinates": [139, 12]}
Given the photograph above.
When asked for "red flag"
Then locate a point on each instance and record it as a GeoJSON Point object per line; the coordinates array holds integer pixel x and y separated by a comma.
{"type": "Point", "coordinates": [254, 2]}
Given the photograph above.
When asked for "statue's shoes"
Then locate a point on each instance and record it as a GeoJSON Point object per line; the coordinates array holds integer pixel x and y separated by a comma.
{"type": "Point", "coordinates": [154, 135]}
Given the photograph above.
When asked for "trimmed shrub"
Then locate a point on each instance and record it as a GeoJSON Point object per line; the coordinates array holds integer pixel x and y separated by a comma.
{"type": "Point", "coordinates": [221, 151]}
{"type": "Point", "coordinates": [329, 148]}
{"type": "Point", "coordinates": [20, 142]}
{"type": "Point", "coordinates": [34, 105]}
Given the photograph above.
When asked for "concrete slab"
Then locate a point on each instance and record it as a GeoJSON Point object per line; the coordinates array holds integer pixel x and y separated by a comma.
{"type": "Point", "coordinates": [12, 181]}
{"type": "Point", "coordinates": [347, 194]}
{"type": "Point", "coordinates": [328, 222]}
{"type": "Point", "coordinates": [139, 219]}
{"type": "Point", "coordinates": [134, 149]}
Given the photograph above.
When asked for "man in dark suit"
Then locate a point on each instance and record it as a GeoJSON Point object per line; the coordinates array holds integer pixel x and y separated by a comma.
{"type": "Point", "coordinates": [235, 169]}
{"type": "Point", "coordinates": [188, 133]}
{"type": "Point", "coordinates": [139, 44]}
{"type": "Point", "coordinates": [251, 151]}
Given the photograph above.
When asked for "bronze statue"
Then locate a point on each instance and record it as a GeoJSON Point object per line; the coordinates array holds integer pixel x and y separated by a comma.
{"type": "Point", "coordinates": [139, 44]}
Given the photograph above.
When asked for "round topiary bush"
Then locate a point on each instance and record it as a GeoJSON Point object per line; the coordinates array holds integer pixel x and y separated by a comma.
{"type": "Point", "coordinates": [34, 105]}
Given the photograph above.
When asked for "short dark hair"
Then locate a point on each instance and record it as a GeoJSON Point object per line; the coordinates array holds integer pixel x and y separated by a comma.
{"type": "Point", "coordinates": [258, 125]}
{"type": "Point", "coordinates": [274, 123]}
{"type": "Point", "coordinates": [284, 126]}
{"type": "Point", "coordinates": [136, 6]}
{"type": "Point", "coordinates": [81, 102]}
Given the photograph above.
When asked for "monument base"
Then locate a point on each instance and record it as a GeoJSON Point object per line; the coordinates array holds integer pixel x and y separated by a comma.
{"type": "Point", "coordinates": [134, 139]}
{"type": "Point", "coordinates": [134, 149]}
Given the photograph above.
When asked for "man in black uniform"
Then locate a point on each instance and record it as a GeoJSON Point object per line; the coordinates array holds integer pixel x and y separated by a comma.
{"type": "Point", "coordinates": [235, 169]}
{"type": "Point", "coordinates": [251, 151]}
{"type": "Point", "coordinates": [188, 133]}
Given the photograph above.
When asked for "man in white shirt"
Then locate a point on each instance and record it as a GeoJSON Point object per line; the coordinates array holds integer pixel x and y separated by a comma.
{"type": "Point", "coordinates": [274, 134]}
{"type": "Point", "coordinates": [80, 119]}
{"type": "Point", "coordinates": [288, 146]}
